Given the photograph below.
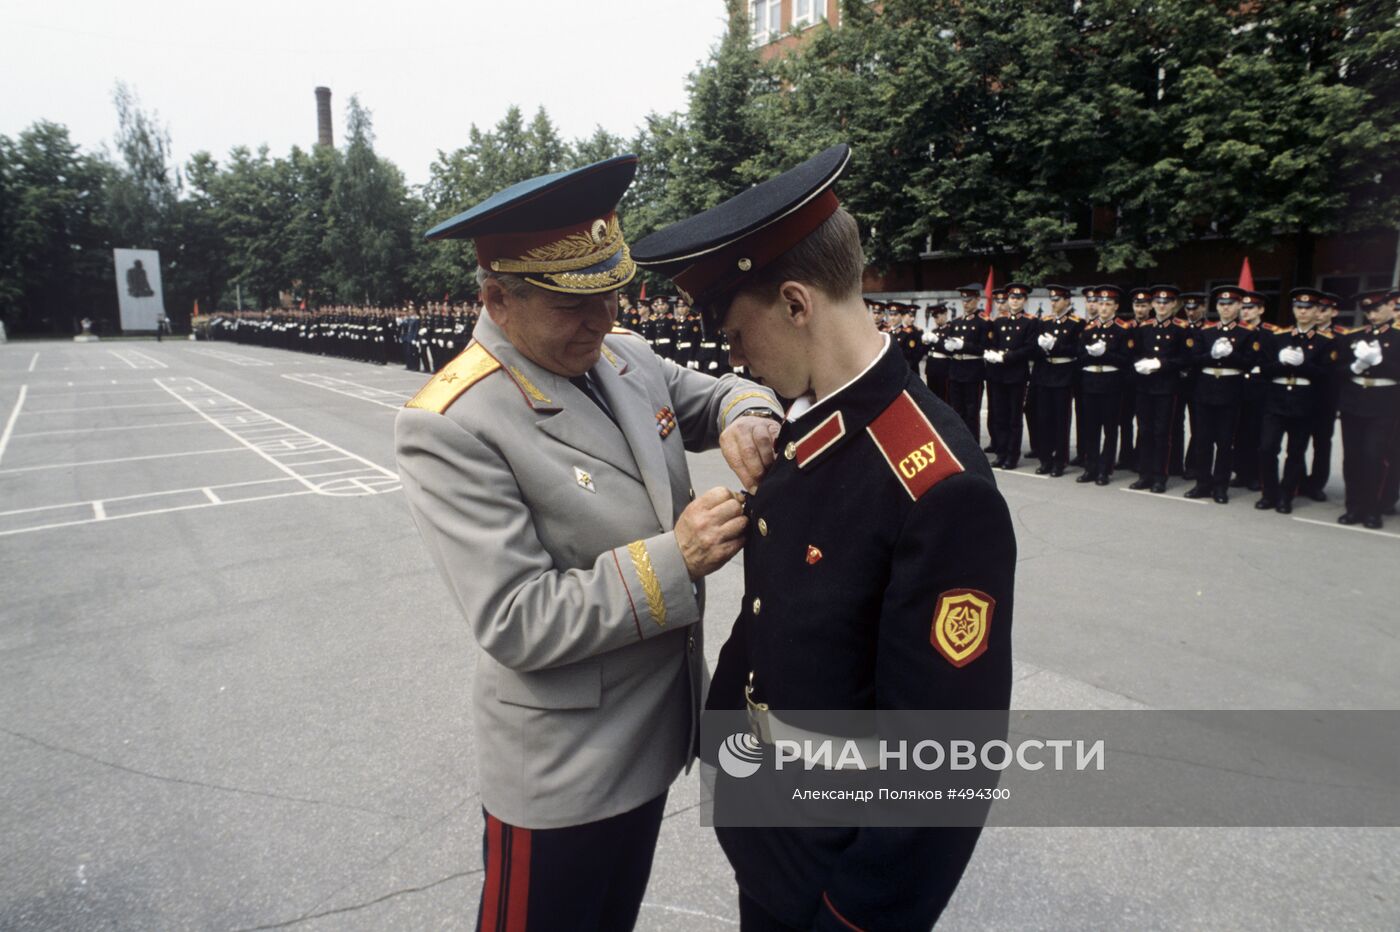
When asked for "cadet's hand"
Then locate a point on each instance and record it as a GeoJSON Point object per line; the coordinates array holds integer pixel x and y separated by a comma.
{"type": "Point", "coordinates": [747, 445]}
{"type": "Point", "coordinates": [711, 530]}
{"type": "Point", "coordinates": [1097, 349]}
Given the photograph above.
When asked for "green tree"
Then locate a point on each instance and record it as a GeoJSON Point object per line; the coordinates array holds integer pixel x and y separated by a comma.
{"type": "Point", "coordinates": [367, 220]}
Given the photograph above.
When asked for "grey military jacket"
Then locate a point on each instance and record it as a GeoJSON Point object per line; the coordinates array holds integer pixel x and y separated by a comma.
{"type": "Point", "coordinates": [553, 528]}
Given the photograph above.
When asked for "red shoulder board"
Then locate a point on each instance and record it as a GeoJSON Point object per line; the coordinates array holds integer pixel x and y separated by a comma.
{"type": "Point", "coordinates": [1028, 315]}
{"type": "Point", "coordinates": [1125, 324]}
{"type": "Point", "coordinates": [912, 448]}
{"type": "Point", "coordinates": [984, 315]}
{"type": "Point", "coordinates": [1326, 334]}
{"type": "Point", "coordinates": [1179, 322]}
{"type": "Point", "coordinates": [1212, 324]}
{"type": "Point", "coordinates": [1274, 328]}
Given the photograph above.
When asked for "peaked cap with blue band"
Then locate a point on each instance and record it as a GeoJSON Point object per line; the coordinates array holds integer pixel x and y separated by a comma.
{"type": "Point", "coordinates": [711, 254]}
{"type": "Point", "coordinates": [559, 232]}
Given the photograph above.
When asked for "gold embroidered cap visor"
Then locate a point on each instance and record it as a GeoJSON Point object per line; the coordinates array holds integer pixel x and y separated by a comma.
{"type": "Point", "coordinates": [559, 232]}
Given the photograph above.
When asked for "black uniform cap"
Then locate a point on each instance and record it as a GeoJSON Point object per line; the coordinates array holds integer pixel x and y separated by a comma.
{"type": "Point", "coordinates": [1227, 292]}
{"type": "Point", "coordinates": [973, 290]}
{"type": "Point", "coordinates": [1308, 297]}
{"type": "Point", "coordinates": [1059, 291]}
{"type": "Point", "coordinates": [711, 254]}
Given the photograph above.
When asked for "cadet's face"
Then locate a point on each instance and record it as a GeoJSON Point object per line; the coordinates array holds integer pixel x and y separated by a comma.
{"type": "Point", "coordinates": [1229, 311]}
{"type": "Point", "coordinates": [761, 339]}
{"type": "Point", "coordinates": [1015, 303]}
{"type": "Point", "coordinates": [1141, 309]}
{"type": "Point", "coordinates": [1163, 307]}
{"type": "Point", "coordinates": [1305, 315]}
{"type": "Point", "coordinates": [969, 305]}
{"type": "Point", "coordinates": [1381, 314]}
{"type": "Point", "coordinates": [559, 332]}
{"type": "Point", "coordinates": [1251, 312]}
{"type": "Point", "coordinates": [1107, 308]}
{"type": "Point", "coordinates": [1057, 305]}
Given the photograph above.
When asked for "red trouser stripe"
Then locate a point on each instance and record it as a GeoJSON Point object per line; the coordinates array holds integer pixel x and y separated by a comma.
{"type": "Point", "coordinates": [490, 898]}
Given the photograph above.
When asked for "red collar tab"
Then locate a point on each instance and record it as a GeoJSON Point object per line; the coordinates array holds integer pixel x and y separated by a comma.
{"type": "Point", "coordinates": [820, 438]}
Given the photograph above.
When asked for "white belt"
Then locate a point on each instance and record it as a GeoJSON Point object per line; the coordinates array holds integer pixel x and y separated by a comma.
{"type": "Point", "coordinates": [966, 356]}
{"type": "Point", "coordinates": [1292, 380]}
{"type": "Point", "coordinates": [1221, 372]}
{"type": "Point", "coordinates": [1060, 360]}
{"type": "Point", "coordinates": [663, 339]}
{"type": "Point", "coordinates": [1100, 368]}
{"type": "Point", "coordinates": [939, 355]}
{"type": "Point", "coordinates": [1365, 382]}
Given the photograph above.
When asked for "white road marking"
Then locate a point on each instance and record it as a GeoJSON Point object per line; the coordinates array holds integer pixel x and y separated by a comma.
{"type": "Point", "coordinates": [153, 511]}
{"type": "Point", "coordinates": [683, 911]}
{"type": "Point", "coordinates": [1346, 527]}
{"type": "Point", "coordinates": [33, 362]}
{"type": "Point", "coordinates": [378, 396]}
{"type": "Point", "coordinates": [284, 444]}
{"type": "Point", "coordinates": [10, 424]}
{"type": "Point", "coordinates": [99, 511]}
{"type": "Point", "coordinates": [157, 404]}
{"type": "Point", "coordinates": [139, 495]}
{"type": "Point", "coordinates": [1017, 472]}
{"type": "Point", "coordinates": [106, 394]}
{"type": "Point", "coordinates": [225, 356]}
{"type": "Point", "coordinates": [122, 459]}
{"type": "Point", "coordinates": [89, 430]}
{"type": "Point", "coordinates": [137, 359]}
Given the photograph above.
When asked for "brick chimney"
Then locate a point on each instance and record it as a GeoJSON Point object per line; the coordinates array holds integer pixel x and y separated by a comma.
{"type": "Point", "coordinates": [323, 117]}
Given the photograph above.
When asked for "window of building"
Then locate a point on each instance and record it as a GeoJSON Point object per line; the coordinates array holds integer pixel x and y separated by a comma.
{"type": "Point", "coordinates": [758, 19]}
{"type": "Point", "coordinates": [775, 17]}
{"type": "Point", "coordinates": [803, 12]}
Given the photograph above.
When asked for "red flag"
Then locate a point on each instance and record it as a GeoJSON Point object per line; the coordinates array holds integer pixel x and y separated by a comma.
{"type": "Point", "coordinates": [303, 304]}
{"type": "Point", "coordinates": [987, 289]}
{"type": "Point", "coordinates": [1246, 276]}
{"type": "Point", "coordinates": [445, 296]}
{"type": "Point", "coordinates": [643, 296]}
{"type": "Point", "coordinates": [196, 307]}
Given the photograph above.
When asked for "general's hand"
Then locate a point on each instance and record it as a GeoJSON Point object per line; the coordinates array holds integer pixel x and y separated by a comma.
{"type": "Point", "coordinates": [747, 445]}
{"type": "Point", "coordinates": [711, 530]}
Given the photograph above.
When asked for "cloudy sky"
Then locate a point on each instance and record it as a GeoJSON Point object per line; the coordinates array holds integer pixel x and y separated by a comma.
{"type": "Point", "coordinates": [225, 74]}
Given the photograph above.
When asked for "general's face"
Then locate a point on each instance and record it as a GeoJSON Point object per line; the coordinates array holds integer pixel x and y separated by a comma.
{"type": "Point", "coordinates": [761, 340]}
{"type": "Point", "coordinates": [559, 332]}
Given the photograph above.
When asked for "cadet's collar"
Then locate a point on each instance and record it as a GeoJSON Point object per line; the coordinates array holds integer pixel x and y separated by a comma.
{"type": "Point", "coordinates": [814, 430]}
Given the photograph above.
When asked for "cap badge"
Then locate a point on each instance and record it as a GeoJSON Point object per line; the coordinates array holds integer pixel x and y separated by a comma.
{"type": "Point", "coordinates": [745, 265]}
{"type": "Point", "coordinates": [599, 231]}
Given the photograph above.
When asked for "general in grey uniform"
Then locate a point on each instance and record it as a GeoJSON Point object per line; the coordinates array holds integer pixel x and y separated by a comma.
{"type": "Point", "coordinates": [545, 468]}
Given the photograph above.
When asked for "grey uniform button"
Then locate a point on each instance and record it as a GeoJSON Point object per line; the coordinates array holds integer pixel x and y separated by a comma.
{"type": "Point", "coordinates": [690, 644]}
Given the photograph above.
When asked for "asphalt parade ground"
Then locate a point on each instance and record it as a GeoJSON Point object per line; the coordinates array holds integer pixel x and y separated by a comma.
{"type": "Point", "coordinates": [234, 691]}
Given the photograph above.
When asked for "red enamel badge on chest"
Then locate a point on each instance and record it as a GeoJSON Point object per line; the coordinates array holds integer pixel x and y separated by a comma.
{"type": "Point", "coordinates": [813, 555]}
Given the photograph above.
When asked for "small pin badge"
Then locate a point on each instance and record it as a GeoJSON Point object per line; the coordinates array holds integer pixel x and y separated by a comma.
{"type": "Point", "coordinates": [585, 481]}
{"type": "Point", "coordinates": [665, 422]}
{"type": "Point", "coordinates": [813, 555]}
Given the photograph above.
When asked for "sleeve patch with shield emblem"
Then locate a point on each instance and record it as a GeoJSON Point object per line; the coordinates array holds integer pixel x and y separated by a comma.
{"type": "Point", "coordinates": [961, 622]}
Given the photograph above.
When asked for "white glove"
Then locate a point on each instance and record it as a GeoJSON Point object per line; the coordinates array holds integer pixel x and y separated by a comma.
{"type": "Point", "coordinates": [995, 356]}
{"type": "Point", "coordinates": [1290, 356]}
{"type": "Point", "coordinates": [954, 343]}
{"type": "Point", "coordinates": [1359, 366]}
{"type": "Point", "coordinates": [930, 338]}
{"type": "Point", "coordinates": [1096, 349]}
{"type": "Point", "coordinates": [1371, 352]}
{"type": "Point", "coordinates": [1146, 366]}
{"type": "Point", "coordinates": [1046, 341]}
{"type": "Point", "coordinates": [1221, 348]}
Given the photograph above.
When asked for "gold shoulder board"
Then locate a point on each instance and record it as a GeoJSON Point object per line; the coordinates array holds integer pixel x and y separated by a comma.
{"type": "Point", "coordinates": [471, 366]}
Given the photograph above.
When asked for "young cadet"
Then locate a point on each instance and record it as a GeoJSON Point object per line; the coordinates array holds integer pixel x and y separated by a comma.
{"type": "Point", "coordinates": [1295, 361]}
{"type": "Point", "coordinates": [1008, 370]}
{"type": "Point", "coordinates": [1193, 311]}
{"type": "Point", "coordinates": [1251, 400]}
{"type": "Point", "coordinates": [876, 525]}
{"type": "Point", "coordinates": [1160, 349]}
{"type": "Point", "coordinates": [1140, 309]}
{"type": "Point", "coordinates": [964, 341]}
{"type": "Point", "coordinates": [1057, 345]}
{"type": "Point", "coordinates": [546, 470]}
{"type": "Point", "coordinates": [1370, 406]}
{"type": "Point", "coordinates": [1105, 343]}
{"type": "Point", "coordinates": [1222, 354]}
{"type": "Point", "coordinates": [1325, 413]}
{"type": "Point", "coordinates": [936, 363]}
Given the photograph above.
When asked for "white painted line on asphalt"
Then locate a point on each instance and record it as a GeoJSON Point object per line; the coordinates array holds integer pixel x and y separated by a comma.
{"type": "Point", "coordinates": [238, 359]}
{"type": "Point", "coordinates": [90, 430]}
{"type": "Point", "coordinates": [213, 499]}
{"type": "Point", "coordinates": [106, 394]}
{"type": "Point", "coordinates": [99, 511]}
{"type": "Point", "coordinates": [1015, 472]}
{"type": "Point", "coordinates": [10, 424]}
{"type": "Point", "coordinates": [137, 359]}
{"type": "Point", "coordinates": [1166, 497]}
{"type": "Point", "coordinates": [378, 396]}
{"type": "Point", "coordinates": [122, 459]}
{"type": "Point", "coordinates": [127, 498]}
{"type": "Point", "coordinates": [154, 511]}
{"type": "Point", "coordinates": [33, 362]}
{"type": "Point", "coordinates": [235, 417]}
{"type": "Point", "coordinates": [157, 404]}
{"type": "Point", "coordinates": [1347, 527]}
{"type": "Point", "coordinates": [685, 911]}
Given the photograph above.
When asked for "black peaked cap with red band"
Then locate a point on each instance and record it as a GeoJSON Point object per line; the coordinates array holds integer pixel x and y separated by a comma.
{"type": "Point", "coordinates": [711, 254]}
